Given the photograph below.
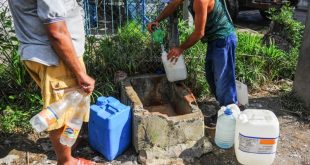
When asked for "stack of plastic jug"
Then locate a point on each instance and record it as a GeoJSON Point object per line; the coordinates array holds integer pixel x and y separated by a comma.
{"type": "Point", "coordinates": [109, 127]}
{"type": "Point", "coordinates": [225, 129]}
{"type": "Point", "coordinates": [53, 112]}
{"type": "Point", "coordinates": [256, 137]}
{"type": "Point", "coordinates": [174, 71]}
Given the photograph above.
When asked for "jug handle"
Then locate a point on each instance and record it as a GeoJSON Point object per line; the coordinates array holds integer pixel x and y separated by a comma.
{"type": "Point", "coordinates": [243, 118]}
{"type": "Point", "coordinates": [113, 109]}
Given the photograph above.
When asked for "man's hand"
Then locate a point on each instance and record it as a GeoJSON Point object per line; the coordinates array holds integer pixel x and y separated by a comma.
{"type": "Point", "coordinates": [174, 54]}
{"type": "Point", "coordinates": [150, 26]}
{"type": "Point", "coordinates": [86, 83]}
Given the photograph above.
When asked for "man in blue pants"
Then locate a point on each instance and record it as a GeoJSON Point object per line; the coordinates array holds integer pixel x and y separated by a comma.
{"type": "Point", "coordinates": [212, 26]}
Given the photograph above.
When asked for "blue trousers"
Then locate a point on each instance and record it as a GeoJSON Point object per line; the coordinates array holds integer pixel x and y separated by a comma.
{"type": "Point", "coordinates": [220, 69]}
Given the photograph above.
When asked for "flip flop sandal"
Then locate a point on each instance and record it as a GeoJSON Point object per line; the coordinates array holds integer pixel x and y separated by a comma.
{"type": "Point", "coordinates": [82, 161]}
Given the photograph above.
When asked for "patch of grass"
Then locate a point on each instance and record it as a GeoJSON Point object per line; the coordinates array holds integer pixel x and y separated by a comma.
{"type": "Point", "coordinates": [260, 64]}
{"type": "Point", "coordinates": [17, 111]}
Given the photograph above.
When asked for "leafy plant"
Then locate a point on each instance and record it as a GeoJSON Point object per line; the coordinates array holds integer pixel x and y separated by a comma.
{"type": "Point", "coordinates": [130, 51]}
{"type": "Point", "coordinates": [17, 111]}
{"type": "Point", "coordinates": [195, 62]}
{"type": "Point", "coordinates": [292, 30]}
{"type": "Point", "coordinates": [10, 63]}
{"type": "Point", "coordinates": [17, 102]}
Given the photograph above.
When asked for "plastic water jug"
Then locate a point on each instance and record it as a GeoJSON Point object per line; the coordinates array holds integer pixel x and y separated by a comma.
{"type": "Point", "coordinates": [242, 93]}
{"type": "Point", "coordinates": [256, 137]}
{"type": "Point", "coordinates": [174, 71]}
{"type": "Point", "coordinates": [225, 130]}
{"type": "Point", "coordinates": [109, 127]}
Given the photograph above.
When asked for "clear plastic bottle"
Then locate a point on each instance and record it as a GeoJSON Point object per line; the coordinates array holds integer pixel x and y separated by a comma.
{"type": "Point", "coordinates": [73, 126]}
{"type": "Point", "coordinates": [50, 115]}
{"type": "Point", "coordinates": [225, 129]}
{"type": "Point", "coordinates": [174, 71]}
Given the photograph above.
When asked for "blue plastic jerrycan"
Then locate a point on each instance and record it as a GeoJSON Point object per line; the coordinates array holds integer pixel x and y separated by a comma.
{"type": "Point", "coordinates": [109, 127]}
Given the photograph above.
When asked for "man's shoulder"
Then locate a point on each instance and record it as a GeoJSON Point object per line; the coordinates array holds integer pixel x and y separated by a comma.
{"type": "Point", "coordinates": [29, 5]}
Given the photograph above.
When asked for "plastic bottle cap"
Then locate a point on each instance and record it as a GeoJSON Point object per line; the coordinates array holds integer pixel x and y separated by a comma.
{"type": "Point", "coordinates": [228, 111]}
{"type": "Point", "coordinates": [101, 101]}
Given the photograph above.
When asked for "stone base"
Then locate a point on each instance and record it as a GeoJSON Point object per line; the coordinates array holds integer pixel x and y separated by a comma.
{"type": "Point", "coordinates": [167, 122]}
{"type": "Point", "coordinates": [185, 151]}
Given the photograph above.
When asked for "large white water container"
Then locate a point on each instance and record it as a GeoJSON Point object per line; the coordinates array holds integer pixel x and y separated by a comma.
{"type": "Point", "coordinates": [256, 137]}
{"type": "Point", "coordinates": [174, 71]}
{"type": "Point", "coordinates": [242, 93]}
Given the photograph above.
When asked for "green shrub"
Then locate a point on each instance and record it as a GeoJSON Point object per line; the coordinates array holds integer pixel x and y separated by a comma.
{"type": "Point", "coordinates": [130, 51]}
{"type": "Point", "coordinates": [16, 111]}
{"type": "Point", "coordinates": [14, 75]}
{"type": "Point", "coordinates": [291, 29]}
{"type": "Point", "coordinates": [19, 97]}
{"type": "Point", "coordinates": [195, 62]}
{"type": "Point", "coordinates": [255, 61]}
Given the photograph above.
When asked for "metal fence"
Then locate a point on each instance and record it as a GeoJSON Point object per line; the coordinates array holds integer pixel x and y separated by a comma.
{"type": "Point", "coordinates": [132, 50]}
{"type": "Point", "coordinates": [3, 4]}
{"type": "Point", "coordinates": [104, 17]}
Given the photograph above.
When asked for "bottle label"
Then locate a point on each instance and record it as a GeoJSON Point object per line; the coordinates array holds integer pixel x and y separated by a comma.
{"type": "Point", "coordinates": [70, 133]}
{"type": "Point", "coordinates": [49, 116]}
{"type": "Point", "coordinates": [257, 145]}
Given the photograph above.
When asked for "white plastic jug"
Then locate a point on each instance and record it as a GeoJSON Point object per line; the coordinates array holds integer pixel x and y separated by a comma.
{"type": "Point", "coordinates": [256, 137]}
{"type": "Point", "coordinates": [225, 129]}
{"type": "Point", "coordinates": [242, 93]}
{"type": "Point", "coordinates": [174, 71]}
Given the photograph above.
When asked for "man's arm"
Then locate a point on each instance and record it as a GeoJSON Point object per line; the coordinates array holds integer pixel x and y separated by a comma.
{"type": "Point", "coordinates": [169, 9]}
{"type": "Point", "coordinates": [62, 44]}
{"type": "Point", "coordinates": [201, 13]}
